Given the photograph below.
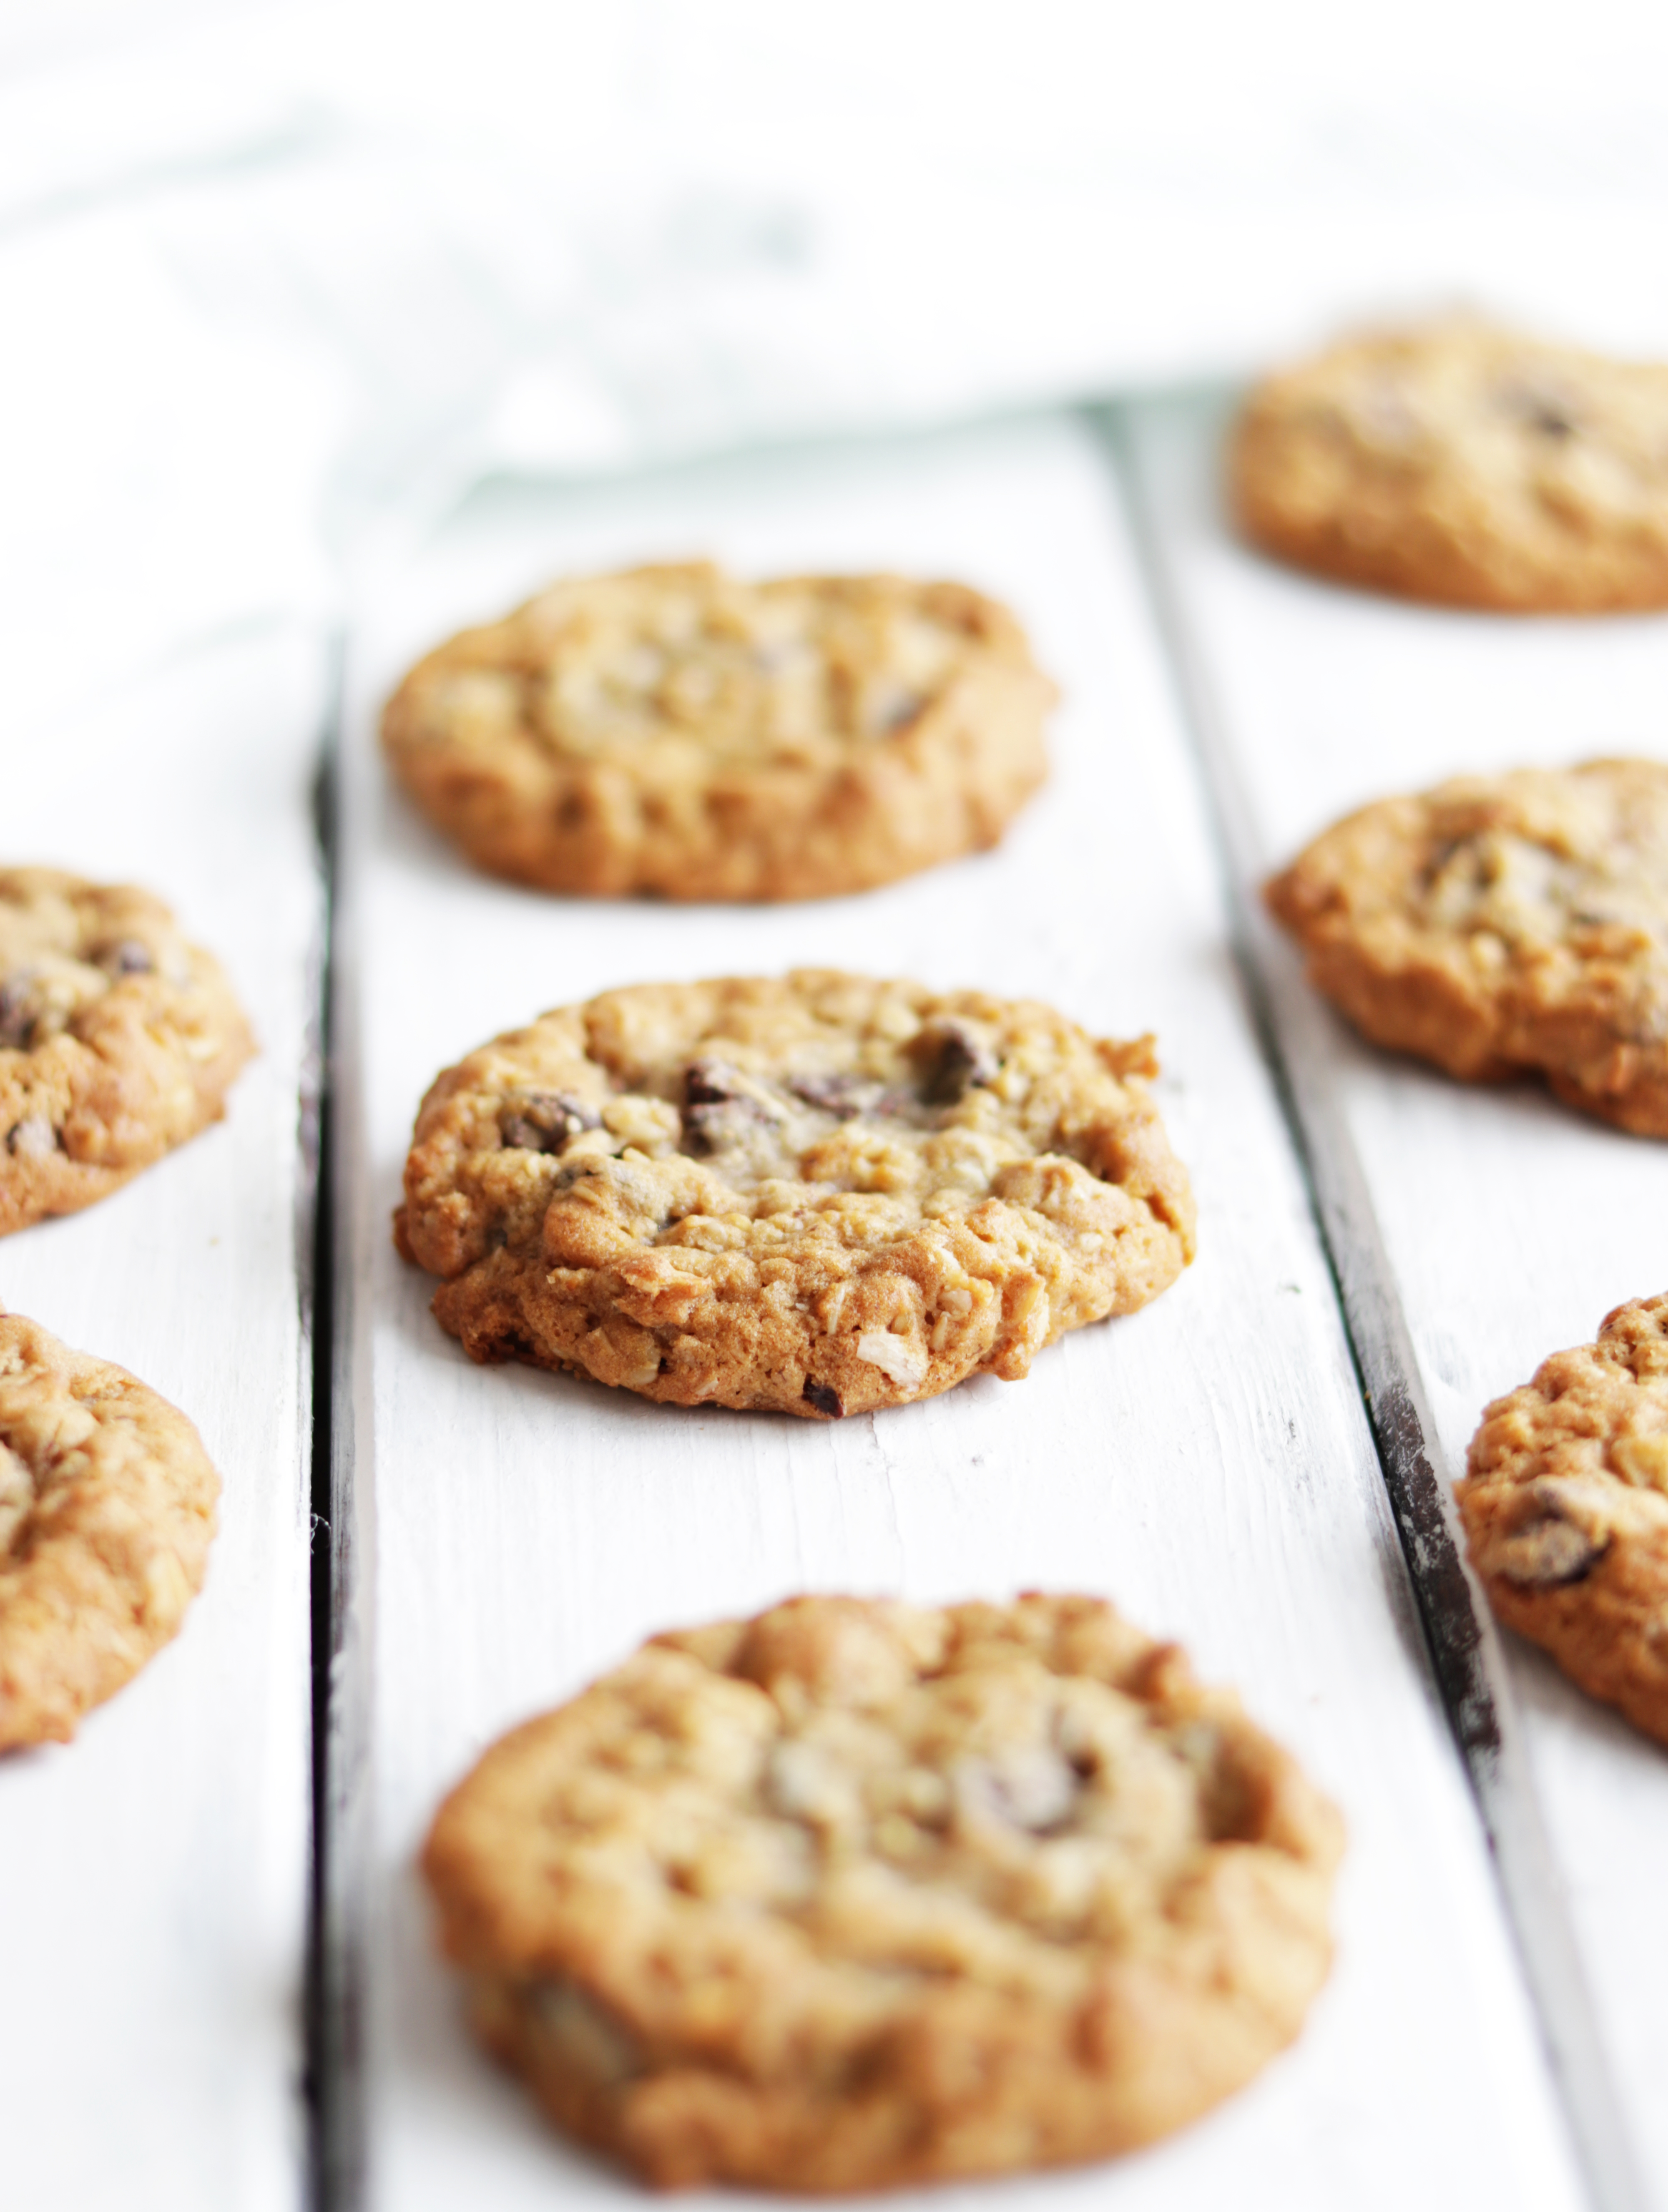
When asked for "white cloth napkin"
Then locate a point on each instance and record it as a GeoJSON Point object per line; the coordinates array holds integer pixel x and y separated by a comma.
{"type": "Point", "coordinates": [279, 279]}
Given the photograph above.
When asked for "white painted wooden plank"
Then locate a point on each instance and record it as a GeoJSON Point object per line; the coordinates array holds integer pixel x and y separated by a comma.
{"type": "Point", "coordinates": [1206, 1463]}
{"type": "Point", "coordinates": [1510, 1224]}
{"type": "Point", "coordinates": [155, 1871]}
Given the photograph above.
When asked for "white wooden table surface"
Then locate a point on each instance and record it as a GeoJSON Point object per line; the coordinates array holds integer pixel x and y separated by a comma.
{"type": "Point", "coordinates": [500, 1535]}
{"type": "Point", "coordinates": [156, 1871]}
{"type": "Point", "coordinates": [1476, 1230]}
{"type": "Point", "coordinates": [1207, 1463]}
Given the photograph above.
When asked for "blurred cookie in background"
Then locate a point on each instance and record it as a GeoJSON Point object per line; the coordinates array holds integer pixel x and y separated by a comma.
{"type": "Point", "coordinates": [675, 731]}
{"type": "Point", "coordinates": [117, 1039]}
{"type": "Point", "coordinates": [1466, 465]}
{"type": "Point", "coordinates": [1501, 925]}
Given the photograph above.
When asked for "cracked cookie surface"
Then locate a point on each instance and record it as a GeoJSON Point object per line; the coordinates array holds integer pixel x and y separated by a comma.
{"type": "Point", "coordinates": [1500, 924]}
{"type": "Point", "coordinates": [1565, 1502]}
{"type": "Point", "coordinates": [672, 730]}
{"type": "Point", "coordinates": [117, 1039]}
{"type": "Point", "coordinates": [816, 1195]}
{"type": "Point", "coordinates": [1465, 466]}
{"type": "Point", "coordinates": [855, 1895]}
{"type": "Point", "coordinates": [106, 1512]}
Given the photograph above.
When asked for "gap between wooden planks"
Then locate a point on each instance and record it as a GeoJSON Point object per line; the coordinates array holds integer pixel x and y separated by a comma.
{"type": "Point", "coordinates": [1473, 1232]}
{"type": "Point", "coordinates": [1207, 1463]}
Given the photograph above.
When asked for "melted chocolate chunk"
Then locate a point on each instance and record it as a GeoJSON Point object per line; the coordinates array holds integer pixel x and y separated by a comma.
{"type": "Point", "coordinates": [842, 1096]}
{"type": "Point", "coordinates": [129, 957]}
{"type": "Point", "coordinates": [32, 1139]}
{"type": "Point", "coordinates": [1543, 410]}
{"type": "Point", "coordinates": [708, 1083]}
{"type": "Point", "coordinates": [716, 1111]}
{"type": "Point", "coordinates": [544, 1121]}
{"type": "Point", "coordinates": [1547, 1553]}
{"type": "Point", "coordinates": [824, 1400]}
{"type": "Point", "coordinates": [893, 710]}
{"type": "Point", "coordinates": [954, 1058]}
{"type": "Point", "coordinates": [17, 1015]}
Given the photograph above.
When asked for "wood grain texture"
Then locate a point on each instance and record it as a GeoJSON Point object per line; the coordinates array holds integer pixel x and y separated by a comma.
{"type": "Point", "coordinates": [155, 1870]}
{"type": "Point", "coordinates": [1207, 1463]}
{"type": "Point", "coordinates": [1504, 1225]}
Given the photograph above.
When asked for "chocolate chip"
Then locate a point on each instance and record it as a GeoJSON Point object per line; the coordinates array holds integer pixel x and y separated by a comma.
{"type": "Point", "coordinates": [954, 1058]}
{"type": "Point", "coordinates": [1548, 1551]}
{"type": "Point", "coordinates": [708, 1083]}
{"type": "Point", "coordinates": [822, 1399]}
{"type": "Point", "coordinates": [32, 1139]}
{"type": "Point", "coordinates": [1540, 408]}
{"type": "Point", "coordinates": [1547, 1555]}
{"type": "Point", "coordinates": [595, 2046]}
{"type": "Point", "coordinates": [17, 1015]}
{"type": "Point", "coordinates": [716, 1111]}
{"type": "Point", "coordinates": [845, 1097]}
{"type": "Point", "coordinates": [129, 957]}
{"type": "Point", "coordinates": [894, 708]}
{"type": "Point", "coordinates": [544, 1121]}
{"type": "Point", "coordinates": [842, 1096]}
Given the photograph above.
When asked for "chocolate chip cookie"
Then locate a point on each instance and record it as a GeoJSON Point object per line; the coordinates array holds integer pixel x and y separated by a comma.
{"type": "Point", "coordinates": [1466, 465]}
{"type": "Point", "coordinates": [854, 1894]}
{"type": "Point", "coordinates": [1499, 924]}
{"type": "Point", "coordinates": [106, 1510]}
{"type": "Point", "coordinates": [117, 1039]}
{"type": "Point", "coordinates": [674, 731]}
{"type": "Point", "coordinates": [816, 1195]}
{"type": "Point", "coordinates": [1565, 1502]}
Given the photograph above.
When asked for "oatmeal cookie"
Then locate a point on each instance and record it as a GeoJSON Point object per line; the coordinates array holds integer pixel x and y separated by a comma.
{"type": "Point", "coordinates": [815, 1195]}
{"type": "Point", "coordinates": [1565, 1502]}
{"type": "Point", "coordinates": [106, 1510]}
{"type": "Point", "coordinates": [1465, 466]}
{"type": "Point", "coordinates": [1499, 924]}
{"type": "Point", "coordinates": [855, 1895]}
{"type": "Point", "coordinates": [117, 1039]}
{"type": "Point", "coordinates": [673, 731]}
